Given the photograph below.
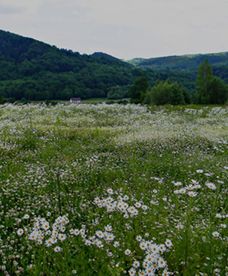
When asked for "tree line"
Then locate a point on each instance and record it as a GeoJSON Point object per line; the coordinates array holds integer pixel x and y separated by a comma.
{"type": "Point", "coordinates": [210, 89]}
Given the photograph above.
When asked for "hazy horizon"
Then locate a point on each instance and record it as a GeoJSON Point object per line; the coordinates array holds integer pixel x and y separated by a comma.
{"type": "Point", "coordinates": [125, 29]}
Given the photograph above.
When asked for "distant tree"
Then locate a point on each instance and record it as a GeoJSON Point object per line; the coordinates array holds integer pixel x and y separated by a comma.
{"type": "Point", "coordinates": [204, 77]}
{"type": "Point", "coordinates": [217, 91]}
{"type": "Point", "coordinates": [138, 90]}
{"type": "Point", "coordinates": [117, 92]}
{"type": "Point", "coordinates": [2, 101]}
{"type": "Point", "coordinates": [210, 89]}
{"type": "Point", "coordinates": [187, 96]}
{"type": "Point", "coordinates": [166, 92]}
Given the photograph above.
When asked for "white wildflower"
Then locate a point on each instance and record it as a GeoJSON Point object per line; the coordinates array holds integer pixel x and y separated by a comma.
{"type": "Point", "coordinates": [127, 252]}
{"type": "Point", "coordinates": [57, 249]}
{"type": "Point", "coordinates": [20, 232]}
{"type": "Point", "coordinates": [210, 185]}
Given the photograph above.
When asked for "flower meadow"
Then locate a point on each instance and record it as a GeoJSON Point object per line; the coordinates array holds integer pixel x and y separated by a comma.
{"type": "Point", "coordinates": [113, 190]}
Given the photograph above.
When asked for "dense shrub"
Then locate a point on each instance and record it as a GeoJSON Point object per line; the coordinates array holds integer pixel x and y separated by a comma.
{"type": "Point", "coordinates": [138, 90]}
{"type": "Point", "coordinates": [117, 92]}
{"type": "Point", "coordinates": [210, 89]}
{"type": "Point", "coordinates": [166, 92]}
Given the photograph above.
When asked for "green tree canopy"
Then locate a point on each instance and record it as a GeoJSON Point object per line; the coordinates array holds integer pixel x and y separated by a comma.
{"type": "Point", "coordinates": [166, 92]}
{"type": "Point", "coordinates": [117, 92]}
{"type": "Point", "coordinates": [217, 91]}
{"type": "Point", "coordinates": [2, 101]}
{"type": "Point", "coordinates": [210, 89]}
{"type": "Point", "coordinates": [204, 78]}
{"type": "Point", "coordinates": [138, 89]}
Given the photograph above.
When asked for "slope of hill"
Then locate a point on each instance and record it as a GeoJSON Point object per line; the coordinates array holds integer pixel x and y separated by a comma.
{"type": "Point", "coordinates": [184, 68]}
{"type": "Point", "coordinates": [34, 70]}
{"type": "Point", "coordinates": [184, 63]}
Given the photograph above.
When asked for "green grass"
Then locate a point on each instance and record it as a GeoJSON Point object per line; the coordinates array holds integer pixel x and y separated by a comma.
{"type": "Point", "coordinates": [71, 168]}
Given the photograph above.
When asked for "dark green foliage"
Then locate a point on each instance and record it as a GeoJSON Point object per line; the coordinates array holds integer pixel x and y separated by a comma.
{"type": "Point", "coordinates": [166, 92]}
{"type": "Point", "coordinates": [187, 96]}
{"type": "Point", "coordinates": [218, 91]}
{"type": "Point", "coordinates": [36, 71]}
{"type": "Point", "coordinates": [118, 92]}
{"type": "Point", "coordinates": [210, 89]}
{"type": "Point", "coordinates": [2, 100]}
{"type": "Point", "coordinates": [138, 89]}
{"type": "Point", "coordinates": [204, 78]}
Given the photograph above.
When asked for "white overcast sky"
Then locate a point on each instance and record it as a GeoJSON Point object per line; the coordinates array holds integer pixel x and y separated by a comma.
{"type": "Point", "coordinates": [123, 28]}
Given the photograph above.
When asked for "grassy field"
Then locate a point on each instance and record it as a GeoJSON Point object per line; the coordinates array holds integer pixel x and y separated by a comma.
{"type": "Point", "coordinates": [113, 190]}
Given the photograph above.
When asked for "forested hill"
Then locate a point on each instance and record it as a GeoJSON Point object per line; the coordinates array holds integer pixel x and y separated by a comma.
{"type": "Point", "coordinates": [186, 65]}
{"type": "Point", "coordinates": [185, 62]}
{"type": "Point", "coordinates": [34, 70]}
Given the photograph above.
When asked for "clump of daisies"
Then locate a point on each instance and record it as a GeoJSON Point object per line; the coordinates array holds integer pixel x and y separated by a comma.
{"type": "Point", "coordinates": [153, 261]}
{"type": "Point", "coordinates": [119, 202]}
{"type": "Point", "coordinates": [190, 190]}
{"type": "Point", "coordinates": [44, 233]}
